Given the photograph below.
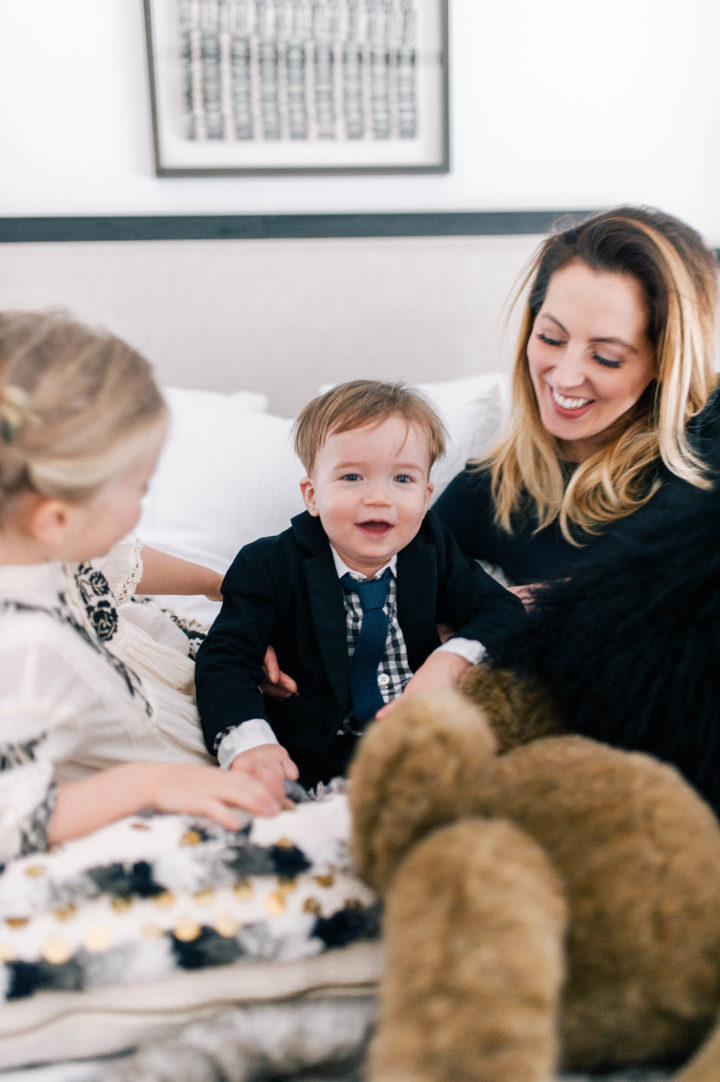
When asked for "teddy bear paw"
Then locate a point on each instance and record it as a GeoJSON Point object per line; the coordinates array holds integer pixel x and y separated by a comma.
{"type": "Point", "coordinates": [414, 771]}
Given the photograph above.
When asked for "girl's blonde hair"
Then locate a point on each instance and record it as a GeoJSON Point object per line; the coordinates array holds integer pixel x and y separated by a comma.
{"type": "Point", "coordinates": [679, 278]}
{"type": "Point", "coordinates": [73, 401]}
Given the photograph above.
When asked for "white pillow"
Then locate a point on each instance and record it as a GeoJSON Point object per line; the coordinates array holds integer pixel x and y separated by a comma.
{"type": "Point", "coordinates": [205, 406]}
{"type": "Point", "coordinates": [225, 477]}
{"type": "Point", "coordinates": [473, 409]}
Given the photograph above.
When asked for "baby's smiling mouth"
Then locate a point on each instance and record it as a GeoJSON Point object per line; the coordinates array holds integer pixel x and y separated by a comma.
{"type": "Point", "coordinates": [375, 526]}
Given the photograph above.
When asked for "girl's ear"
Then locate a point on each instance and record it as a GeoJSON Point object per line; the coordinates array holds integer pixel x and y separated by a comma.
{"type": "Point", "coordinates": [48, 520]}
{"type": "Point", "coordinates": [308, 494]}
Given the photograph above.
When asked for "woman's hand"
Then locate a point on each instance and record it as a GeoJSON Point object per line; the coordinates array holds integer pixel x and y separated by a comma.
{"type": "Point", "coordinates": [525, 593]}
{"type": "Point", "coordinates": [277, 684]}
{"type": "Point", "coordinates": [441, 670]}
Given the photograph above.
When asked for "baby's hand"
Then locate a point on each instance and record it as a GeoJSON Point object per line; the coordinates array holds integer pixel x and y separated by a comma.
{"type": "Point", "coordinates": [441, 670]}
{"type": "Point", "coordinates": [269, 763]}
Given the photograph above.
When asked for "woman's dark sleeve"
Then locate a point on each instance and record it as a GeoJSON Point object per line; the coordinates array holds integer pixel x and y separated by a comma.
{"type": "Point", "coordinates": [464, 508]}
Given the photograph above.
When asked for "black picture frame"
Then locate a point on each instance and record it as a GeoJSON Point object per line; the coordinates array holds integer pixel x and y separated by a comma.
{"type": "Point", "coordinates": [242, 87]}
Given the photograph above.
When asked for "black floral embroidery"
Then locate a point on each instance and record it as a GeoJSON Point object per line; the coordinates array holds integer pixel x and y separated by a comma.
{"type": "Point", "coordinates": [92, 585]}
{"type": "Point", "coordinates": [34, 833]}
{"type": "Point", "coordinates": [194, 632]}
{"type": "Point", "coordinates": [12, 755]}
{"type": "Point", "coordinates": [98, 583]}
{"type": "Point", "coordinates": [103, 618]}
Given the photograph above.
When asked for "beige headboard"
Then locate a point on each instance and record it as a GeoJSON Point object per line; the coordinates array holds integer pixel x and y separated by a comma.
{"type": "Point", "coordinates": [283, 316]}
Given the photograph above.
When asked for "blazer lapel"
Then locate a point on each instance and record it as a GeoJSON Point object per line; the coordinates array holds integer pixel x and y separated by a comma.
{"type": "Point", "coordinates": [327, 615]}
{"type": "Point", "coordinates": [327, 611]}
{"type": "Point", "coordinates": [416, 599]}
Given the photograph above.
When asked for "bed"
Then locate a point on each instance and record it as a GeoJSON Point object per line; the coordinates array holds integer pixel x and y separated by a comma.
{"type": "Point", "coordinates": [164, 947]}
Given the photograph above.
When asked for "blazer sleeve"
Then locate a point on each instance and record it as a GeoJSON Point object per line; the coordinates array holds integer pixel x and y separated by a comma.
{"type": "Point", "coordinates": [470, 600]}
{"type": "Point", "coordinates": [229, 663]}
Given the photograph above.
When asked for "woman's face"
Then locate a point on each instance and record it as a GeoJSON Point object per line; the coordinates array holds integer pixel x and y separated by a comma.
{"type": "Point", "coordinates": [589, 356]}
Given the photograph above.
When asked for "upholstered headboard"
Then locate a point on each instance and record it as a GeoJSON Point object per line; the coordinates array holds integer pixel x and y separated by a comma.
{"type": "Point", "coordinates": [282, 316]}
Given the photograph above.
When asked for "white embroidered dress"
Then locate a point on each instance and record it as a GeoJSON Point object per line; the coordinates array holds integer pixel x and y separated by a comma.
{"type": "Point", "coordinates": [87, 682]}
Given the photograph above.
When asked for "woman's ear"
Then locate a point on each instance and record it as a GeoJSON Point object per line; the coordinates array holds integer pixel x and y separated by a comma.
{"type": "Point", "coordinates": [308, 494]}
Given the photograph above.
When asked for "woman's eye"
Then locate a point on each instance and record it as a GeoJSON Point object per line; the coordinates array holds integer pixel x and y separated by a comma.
{"type": "Point", "coordinates": [606, 362]}
{"type": "Point", "coordinates": [547, 340]}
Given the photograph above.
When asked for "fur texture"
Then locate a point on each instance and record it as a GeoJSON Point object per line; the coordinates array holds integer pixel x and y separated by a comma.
{"type": "Point", "coordinates": [619, 839]}
{"type": "Point", "coordinates": [630, 651]}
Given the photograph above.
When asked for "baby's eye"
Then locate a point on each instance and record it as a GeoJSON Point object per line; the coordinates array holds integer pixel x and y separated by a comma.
{"type": "Point", "coordinates": [350, 477]}
{"type": "Point", "coordinates": [606, 362]}
{"type": "Point", "coordinates": [403, 478]}
{"type": "Point", "coordinates": [547, 340]}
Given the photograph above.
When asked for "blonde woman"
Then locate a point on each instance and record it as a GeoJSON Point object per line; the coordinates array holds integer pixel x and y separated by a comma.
{"type": "Point", "coordinates": [614, 419]}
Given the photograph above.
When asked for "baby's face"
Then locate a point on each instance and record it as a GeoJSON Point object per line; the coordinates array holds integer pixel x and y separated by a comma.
{"type": "Point", "coordinates": [371, 488]}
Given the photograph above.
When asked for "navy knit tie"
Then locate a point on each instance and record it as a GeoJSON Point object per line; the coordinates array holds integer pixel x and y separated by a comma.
{"type": "Point", "coordinates": [370, 645]}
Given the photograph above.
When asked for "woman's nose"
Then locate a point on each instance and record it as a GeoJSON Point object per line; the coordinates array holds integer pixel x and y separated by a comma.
{"type": "Point", "coordinates": [569, 369]}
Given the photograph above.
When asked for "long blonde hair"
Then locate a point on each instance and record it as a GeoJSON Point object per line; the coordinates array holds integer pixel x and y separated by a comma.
{"type": "Point", "coordinates": [73, 401]}
{"type": "Point", "coordinates": [679, 278]}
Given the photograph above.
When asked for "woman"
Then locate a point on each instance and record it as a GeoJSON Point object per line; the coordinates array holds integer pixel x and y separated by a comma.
{"type": "Point", "coordinates": [614, 420]}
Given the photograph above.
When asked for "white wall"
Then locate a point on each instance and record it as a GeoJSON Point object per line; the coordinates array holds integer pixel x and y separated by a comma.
{"type": "Point", "coordinates": [555, 103]}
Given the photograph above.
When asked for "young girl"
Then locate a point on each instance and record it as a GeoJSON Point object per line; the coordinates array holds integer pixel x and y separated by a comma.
{"type": "Point", "coordinates": [97, 718]}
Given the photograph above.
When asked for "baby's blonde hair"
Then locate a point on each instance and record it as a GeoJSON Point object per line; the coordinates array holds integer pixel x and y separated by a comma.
{"type": "Point", "coordinates": [678, 275]}
{"type": "Point", "coordinates": [361, 402]}
{"type": "Point", "coordinates": [73, 401]}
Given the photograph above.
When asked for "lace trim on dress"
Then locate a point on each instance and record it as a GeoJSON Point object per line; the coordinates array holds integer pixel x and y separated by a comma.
{"type": "Point", "coordinates": [125, 590]}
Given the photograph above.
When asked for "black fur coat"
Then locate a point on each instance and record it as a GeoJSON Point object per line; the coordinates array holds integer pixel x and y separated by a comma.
{"type": "Point", "coordinates": [630, 649]}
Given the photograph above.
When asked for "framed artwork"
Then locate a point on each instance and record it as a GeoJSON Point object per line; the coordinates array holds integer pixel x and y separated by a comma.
{"type": "Point", "coordinates": [298, 86]}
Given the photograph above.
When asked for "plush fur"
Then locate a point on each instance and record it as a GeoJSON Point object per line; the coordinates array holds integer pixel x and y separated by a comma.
{"type": "Point", "coordinates": [554, 906]}
{"type": "Point", "coordinates": [629, 650]}
{"type": "Point", "coordinates": [551, 900]}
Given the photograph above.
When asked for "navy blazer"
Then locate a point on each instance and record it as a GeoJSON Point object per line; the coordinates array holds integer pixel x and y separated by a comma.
{"type": "Point", "coordinates": [285, 590]}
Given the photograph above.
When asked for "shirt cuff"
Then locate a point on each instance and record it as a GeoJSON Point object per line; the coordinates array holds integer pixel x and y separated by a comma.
{"type": "Point", "coordinates": [250, 734]}
{"type": "Point", "coordinates": [470, 649]}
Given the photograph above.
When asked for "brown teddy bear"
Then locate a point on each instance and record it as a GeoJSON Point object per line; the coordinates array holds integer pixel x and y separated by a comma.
{"type": "Point", "coordinates": [556, 906]}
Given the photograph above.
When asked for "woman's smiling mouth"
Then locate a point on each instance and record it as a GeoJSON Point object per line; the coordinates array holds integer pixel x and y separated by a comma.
{"type": "Point", "coordinates": [566, 403]}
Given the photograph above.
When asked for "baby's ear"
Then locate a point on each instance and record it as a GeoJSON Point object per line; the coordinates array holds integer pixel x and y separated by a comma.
{"type": "Point", "coordinates": [307, 488]}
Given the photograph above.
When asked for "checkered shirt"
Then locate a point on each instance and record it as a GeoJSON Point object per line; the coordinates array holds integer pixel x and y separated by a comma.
{"type": "Point", "coordinates": [394, 671]}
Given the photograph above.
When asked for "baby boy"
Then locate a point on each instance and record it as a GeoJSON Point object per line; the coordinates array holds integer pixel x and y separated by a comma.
{"type": "Point", "coordinates": [350, 596]}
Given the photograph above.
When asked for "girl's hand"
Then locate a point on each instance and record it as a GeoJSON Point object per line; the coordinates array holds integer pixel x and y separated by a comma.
{"type": "Point", "coordinates": [277, 684]}
{"type": "Point", "coordinates": [94, 801]}
{"type": "Point", "coordinates": [217, 794]}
